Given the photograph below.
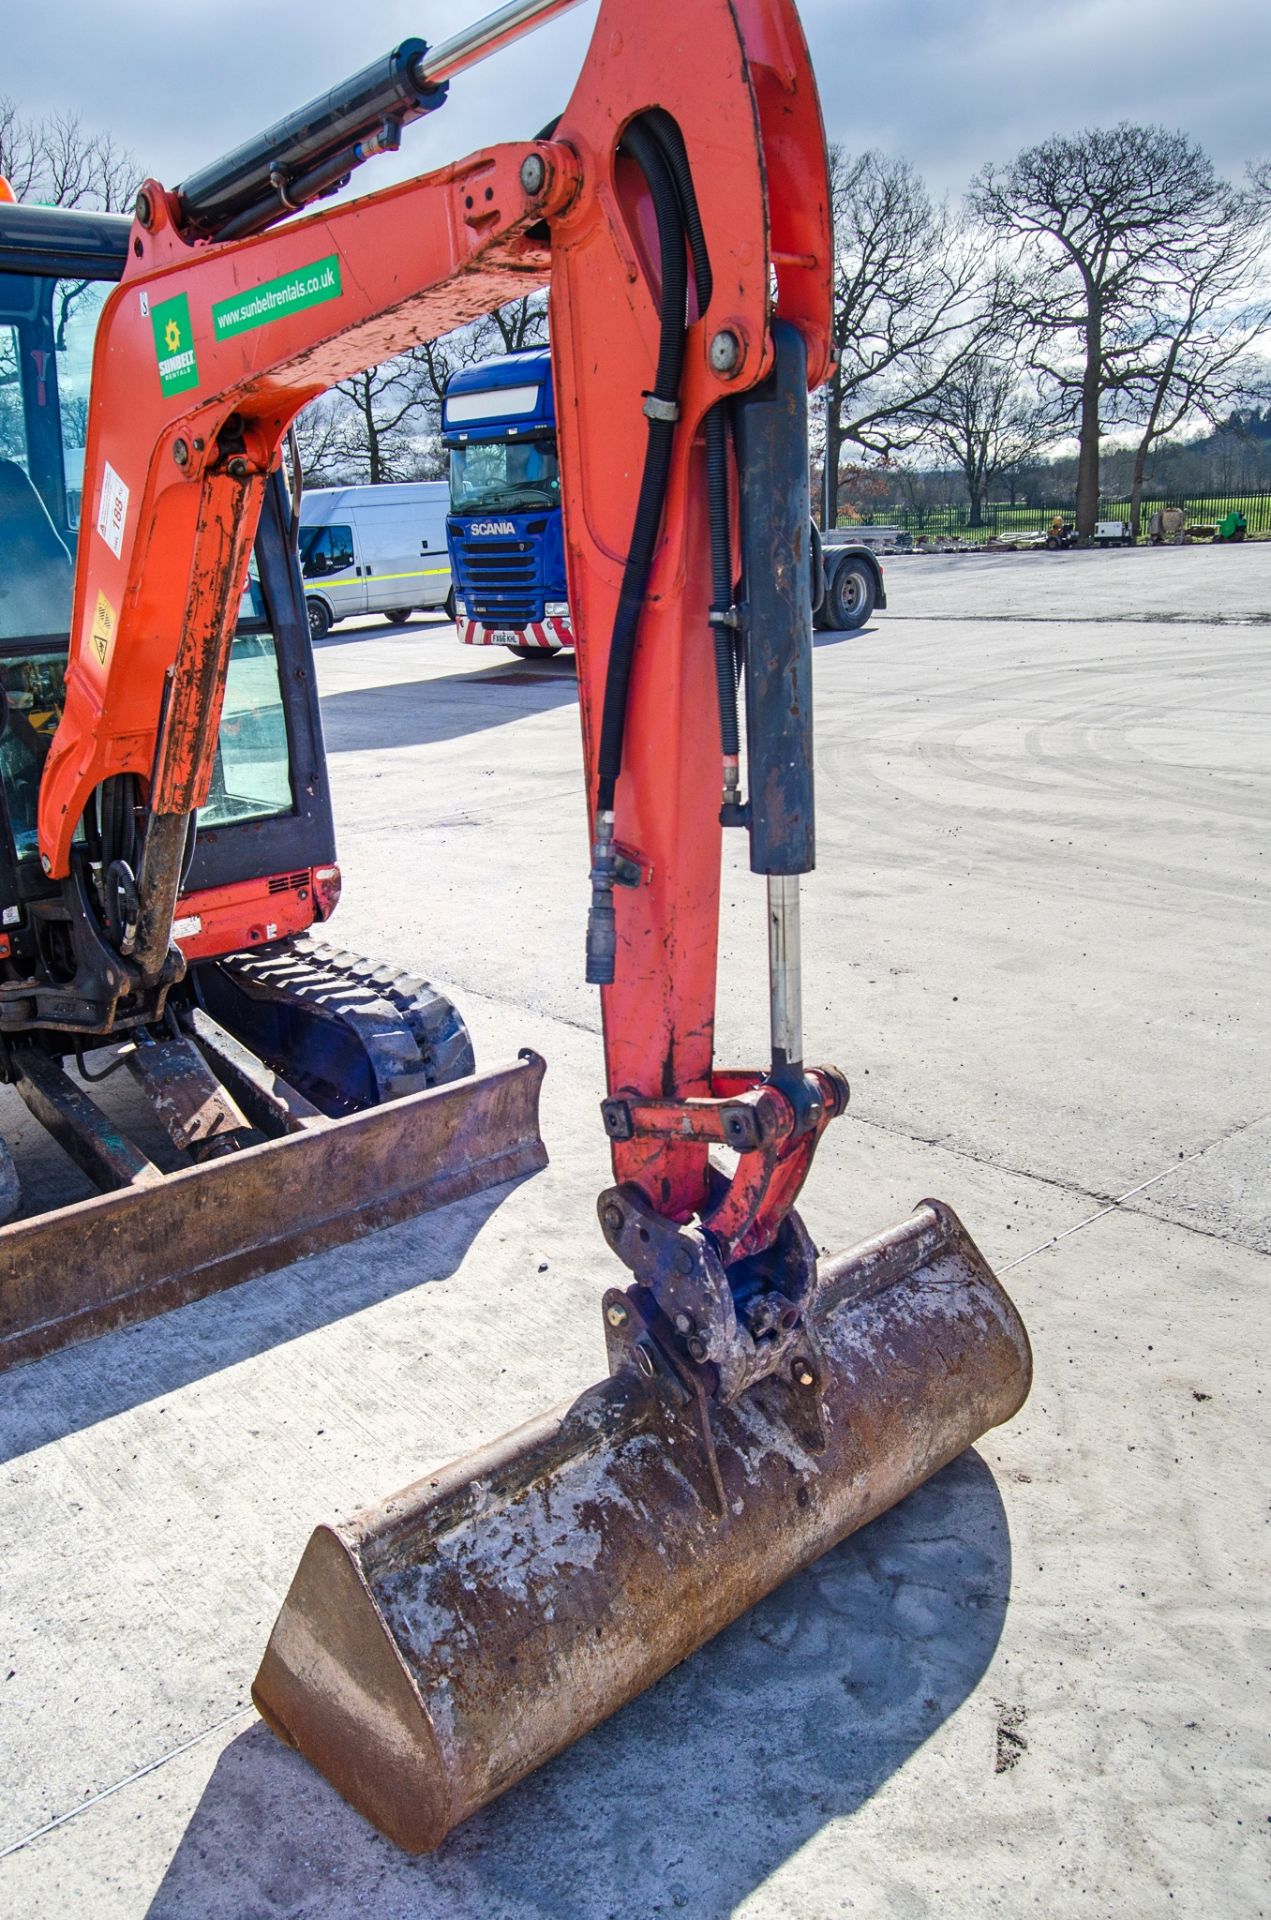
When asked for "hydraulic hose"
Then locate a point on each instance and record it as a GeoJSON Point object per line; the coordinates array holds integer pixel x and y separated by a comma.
{"type": "Point", "coordinates": [671, 141]}
{"type": "Point", "coordinates": [723, 630]}
{"type": "Point", "coordinates": [662, 409]}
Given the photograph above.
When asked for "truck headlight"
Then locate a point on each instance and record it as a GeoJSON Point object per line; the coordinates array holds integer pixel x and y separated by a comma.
{"type": "Point", "coordinates": [556, 610]}
{"type": "Point", "coordinates": [461, 609]}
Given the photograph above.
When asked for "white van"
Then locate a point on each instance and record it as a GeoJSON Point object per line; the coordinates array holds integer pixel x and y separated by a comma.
{"type": "Point", "coordinates": [375, 550]}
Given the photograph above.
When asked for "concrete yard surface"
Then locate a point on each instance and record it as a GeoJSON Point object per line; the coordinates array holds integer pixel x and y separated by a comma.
{"type": "Point", "coordinates": [1037, 943]}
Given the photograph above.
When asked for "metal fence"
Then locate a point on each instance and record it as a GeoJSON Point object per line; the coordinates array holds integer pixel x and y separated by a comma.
{"type": "Point", "coordinates": [1000, 521]}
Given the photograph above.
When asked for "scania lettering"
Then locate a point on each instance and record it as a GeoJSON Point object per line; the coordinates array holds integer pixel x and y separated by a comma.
{"type": "Point", "coordinates": [504, 531]}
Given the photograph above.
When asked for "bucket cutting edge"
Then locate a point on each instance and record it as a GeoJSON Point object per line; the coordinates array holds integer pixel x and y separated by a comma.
{"type": "Point", "coordinates": [438, 1647]}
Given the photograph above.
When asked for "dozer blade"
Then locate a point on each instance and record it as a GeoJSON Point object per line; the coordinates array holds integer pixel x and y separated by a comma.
{"type": "Point", "coordinates": [166, 1240]}
{"type": "Point", "coordinates": [436, 1649]}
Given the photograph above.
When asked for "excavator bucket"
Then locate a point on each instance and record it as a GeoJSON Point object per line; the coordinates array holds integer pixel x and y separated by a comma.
{"type": "Point", "coordinates": [436, 1649]}
{"type": "Point", "coordinates": [165, 1239]}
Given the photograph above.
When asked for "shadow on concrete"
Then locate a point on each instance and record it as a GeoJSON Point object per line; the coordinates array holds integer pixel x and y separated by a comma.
{"type": "Point", "coordinates": [376, 627]}
{"type": "Point", "coordinates": [414, 713]}
{"type": "Point", "coordinates": [834, 636]}
{"type": "Point", "coordinates": [46, 1399]}
{"type": "Point", "coordinates": [689, 1798]}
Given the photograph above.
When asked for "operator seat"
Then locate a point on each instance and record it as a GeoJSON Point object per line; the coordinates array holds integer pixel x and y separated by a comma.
{"type": "Point", "coordinates": [36, 569]}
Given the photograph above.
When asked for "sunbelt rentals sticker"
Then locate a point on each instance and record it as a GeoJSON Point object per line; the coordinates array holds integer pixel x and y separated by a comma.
{"type": "Point", "coordinates": [275, 299]}
{"type": "Point", "coordinates": [174, 345]}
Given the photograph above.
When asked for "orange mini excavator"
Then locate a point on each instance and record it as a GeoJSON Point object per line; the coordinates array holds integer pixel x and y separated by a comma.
{"type": "Point", "coordinates": [760, 1404]}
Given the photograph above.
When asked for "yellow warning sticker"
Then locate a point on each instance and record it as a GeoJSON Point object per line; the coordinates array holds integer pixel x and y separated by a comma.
{"type": "Point", "coordinates": [103, 630]}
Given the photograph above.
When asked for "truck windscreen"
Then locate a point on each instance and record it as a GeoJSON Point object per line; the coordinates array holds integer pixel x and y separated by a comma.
{"type": "Point", "coordinates": [506, 476]}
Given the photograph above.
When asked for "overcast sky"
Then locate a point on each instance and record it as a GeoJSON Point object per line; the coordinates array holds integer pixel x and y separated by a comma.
{"type": "Point", "coordinates": [946, 85]}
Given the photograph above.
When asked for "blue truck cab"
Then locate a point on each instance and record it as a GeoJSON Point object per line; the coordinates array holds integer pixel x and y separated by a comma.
{"type": "Point", "coordinates": [507, 552]}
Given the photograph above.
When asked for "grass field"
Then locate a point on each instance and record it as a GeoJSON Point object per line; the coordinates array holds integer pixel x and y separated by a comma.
{"type": "Point", "coordinates": [952, 522]}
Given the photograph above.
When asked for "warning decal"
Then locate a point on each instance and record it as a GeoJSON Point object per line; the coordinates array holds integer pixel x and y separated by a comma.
{"type": "Point", "coordinates": [174, 345]}
{"type": "Point", "coordinates": [103, 630]}
{"type": "Point", "coordinates": [112, 514]}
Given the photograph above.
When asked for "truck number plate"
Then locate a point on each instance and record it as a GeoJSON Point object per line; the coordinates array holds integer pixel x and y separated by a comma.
{"type": "Point", "coordinates": [507, 637]}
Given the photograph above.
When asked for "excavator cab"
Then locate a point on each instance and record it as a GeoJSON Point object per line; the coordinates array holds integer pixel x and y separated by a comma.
{"type": "Point", "coordinates": [56, 272]}
{"type": "Point", "coordinates": [265, 1034]}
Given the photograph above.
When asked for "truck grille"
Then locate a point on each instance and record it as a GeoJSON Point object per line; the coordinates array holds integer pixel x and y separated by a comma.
{"type": "Point", "coordinates": [498, 578]}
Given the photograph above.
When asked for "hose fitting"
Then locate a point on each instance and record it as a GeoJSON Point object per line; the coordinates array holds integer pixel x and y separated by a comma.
{"type": "Point", "coordinates": [602, 924]}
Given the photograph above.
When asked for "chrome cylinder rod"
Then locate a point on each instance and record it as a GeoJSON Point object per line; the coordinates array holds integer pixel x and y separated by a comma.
{"type": "Point", "coordinates": [485, 37]}
{"type": "Point", "coordinates": [785, 970]}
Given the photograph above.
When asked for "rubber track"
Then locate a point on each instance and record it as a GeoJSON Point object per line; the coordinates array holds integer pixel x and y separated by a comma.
{"type": "Point", "coordinates": [349, 987]}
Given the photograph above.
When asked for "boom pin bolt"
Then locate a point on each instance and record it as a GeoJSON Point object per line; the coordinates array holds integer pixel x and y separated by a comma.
{"type": "Point", "coordinates": [725, 350]}
{"type": "Point", "coordinates": [616, 1314]}
{"type": "Point", "coordinates": [803, 1374]}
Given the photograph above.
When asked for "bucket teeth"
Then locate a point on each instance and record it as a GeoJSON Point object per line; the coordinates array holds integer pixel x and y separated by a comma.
{"type": "Point", "coordinates": [438, 1648]}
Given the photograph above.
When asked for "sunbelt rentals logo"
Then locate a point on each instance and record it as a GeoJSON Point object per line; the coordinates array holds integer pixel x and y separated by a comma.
{"type": "Point", "coordinates": [275, 299]}
{"type": "Point", "coordinates": [174, 345]}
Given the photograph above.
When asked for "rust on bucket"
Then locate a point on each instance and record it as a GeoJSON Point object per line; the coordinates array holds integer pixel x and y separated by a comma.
{"type": "Point", "coordinates": [437, 1648]}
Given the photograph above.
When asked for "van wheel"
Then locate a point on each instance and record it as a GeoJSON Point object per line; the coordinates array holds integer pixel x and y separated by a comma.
{"type": "Point", "coordinates": [851, 595]}
{"type": "Point", "coordinates": [399, 616]}
{"type": "Point", "coordinates": [319, 619]}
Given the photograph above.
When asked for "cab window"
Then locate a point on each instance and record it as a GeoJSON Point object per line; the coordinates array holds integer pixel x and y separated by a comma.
{"type": "Point", "coordinates": [47, 330]}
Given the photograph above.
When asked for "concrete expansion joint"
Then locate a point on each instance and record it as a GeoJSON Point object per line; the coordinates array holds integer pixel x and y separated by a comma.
{"type": "Point", "coordinates": [129, 1779]}
{"type": "Point", "coordinates": [1104, 1203]}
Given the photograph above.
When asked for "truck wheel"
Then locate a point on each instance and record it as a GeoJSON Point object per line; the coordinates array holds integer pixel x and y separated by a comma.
{"type": "Point", "coordinates": [399, 616]}
{"type": "Point", "coordinates": [850, 596]}
{"type": "Point", "coordinates": [319, 619]}
{"type": "Point", "coordinates": [534, 653]}
{"type": "Point", "coordinates": [448, 606]}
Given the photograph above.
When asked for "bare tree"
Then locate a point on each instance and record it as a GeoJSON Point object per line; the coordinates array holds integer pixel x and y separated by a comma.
{"type": "Point", "coordinates": [62, 163]}
{"type": "Point", "coordinates": [385, 420]}
{"type": "Point", "coordinates": [989, 421]}
{"type": "Point", "coordinates": [322, 437]}
{"type": "Point", "coordinates": [909, 302]}
{"type": "Point", "coordinates": [510, 329]}
{"type": "Point", "coordinates": [1188, 357]}
{"type": "Point", "coordinates": [1100, 219]}
{"type": "Point", "coordinates": [522, 323]}
{"type": "Point", "coordinates": [21, 149]}
{"type": "Point", "coordinates": [384, 425]}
